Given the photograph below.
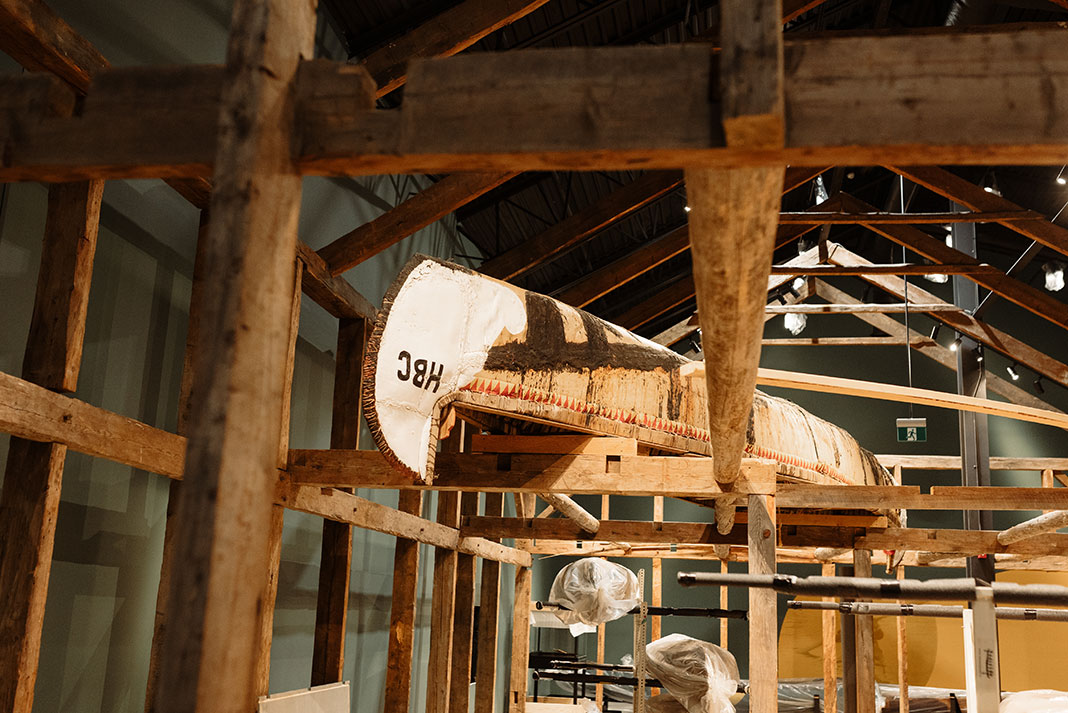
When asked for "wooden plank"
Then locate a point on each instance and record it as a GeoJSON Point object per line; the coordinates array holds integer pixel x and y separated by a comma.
{"type": "Point", "coordinates": [975, 198]}
{"type": "Point", "coordinates": [442, 610]}
{"type": "Point", "coordinates": [34, 413]}
{"type": "Point", "coordinates": [657, 591]}
{"type": "Point", "coordinates": [580, 226]}
{"type": "Point", "coordinates": [868, 216]}
{"type": "Point", "coordinates": [724, 599]}
{"type": "Point", "coordinates": [463, 620]}
{"type": "Point", "coordinates": [763, 604]}
{"type": "Point", "coordinates": [925, 462]}
{"type": "Point", "coordinates": [489, 610]}
{"type": "Point", "coordinates": [1034, 300]}
{"type": "Point", "coordinates": [520, 652]}
{"type": "Point", "coordinates": [1045, 523]}
{"type": "Point", "coordinates": [335, 561]}
{"type": "Point", "coordinates": [830, 649]}
{"type": "Point", "coordinates": [29, 502]}
{"type": "Point", "coordinates": [424, 208]}
{"type": "Point", "coordinates": [208, 655]}
{"type": "Point", "coordinates": [865, 642]}
{"type": "Point", "coordinates": [902, 655]}
{"type": "Point", "coordinates": [402, 612]}
{"type": "Point", "coordinates": [606, 512]}
{"type": "Point", "coordinates": [561, 445]}
{"type": "Point", "coordinates": [445, 34]}
{"type": "Point", "coordinates": [677, 476]}
{"type": "Point", "coordinates": [905, 394]}
{"type": "Point", "coordinates": [934, 351]}
{"type": "Point", "coordinates": [908, 497]}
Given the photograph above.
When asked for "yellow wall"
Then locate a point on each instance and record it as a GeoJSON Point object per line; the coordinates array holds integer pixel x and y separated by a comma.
{"type": "Point", "coordinates": [1033, 654]}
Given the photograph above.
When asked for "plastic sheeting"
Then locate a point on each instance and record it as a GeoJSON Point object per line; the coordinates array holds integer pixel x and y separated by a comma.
{"type": "Point", "coordinates": [593, 591]}
{"type": "Point", "coordinates": [699, 675]}
{"type": "Point", "coordinates": [1044, 701]}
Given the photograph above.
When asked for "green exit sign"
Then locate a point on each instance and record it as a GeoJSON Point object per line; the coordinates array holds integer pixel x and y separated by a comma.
{"type": "Point", "coordinates": [911, 430]}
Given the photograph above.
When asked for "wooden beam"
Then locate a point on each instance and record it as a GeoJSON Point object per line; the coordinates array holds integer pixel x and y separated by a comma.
{"type": "Point", "coordinates": [929, 348]}
{"type": "Point", "coordinates": [519, 655]}
{"type": "Point", "coordinates": [830, 649]}
{"type": "Point", "coordinates": [29, 502]}
{"type": "Point", "coordinates": [463, 620]}
{"type": "Point", "coordinates": [335, 561]}
{"type": "Point", "coordinates": [865, 642]}
{"type": "Point", "coordinates": [896, 269]}
{"type": "Point", "coordinates": [572, 511]}
{"type": "Point", "coordinates": [910, 113]}
{"type": "Point", "coordinates": [860, 308]}
{"type": "Point", "coordinates": [559, 445]}
{"type": "Point", "coordinates": [963, 323]}
{"type": "Point", "coordinates": [580, 226]}
{"type": "Point", "coordinates": [1034, 300]}
{"type": "Point", "coordinates": [209, 655]}
{"type": "Point", "coordinates": [902, 654]}
{"type": "Point", "coordinates": [906, 394]}
{"type": "Point", "coordinates": [445, 34]}
{"type": "Point", "coordinates": [763, 606]}
{"type": "Point", "coordinates": [402, 612]}
{"type": "Point", "coordinates": [334, 294]}
{"type": "Point", "coordinates": [677, 476]}
{"type": "Point", "coordinates": [975, 198]}
{"type": "Point", "coordinates": [733, 218]}
{"type": "Point", "coordinates": [678, 292]}
{"type": "Point", "coordinates": [925, 462]}
{"type": "Point", "coordinates": [424, 208]}
{"type": "Point", "coordinates": [1048, 522]}
{"type": "Point", "coordinates": [616, 274]}
{"type": "Point", "coordinates": [907, 497]}
{"type": "Point", "coordinates": [489, 610]}
{"type": "Point", "coordinates": [863, 217]}
{"type": "Point", "coordinates": [442, 610]}
{"type": "Point", "coordinates": [36, 37]}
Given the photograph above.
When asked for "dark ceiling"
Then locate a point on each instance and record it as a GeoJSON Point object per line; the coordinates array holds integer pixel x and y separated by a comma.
{"type": "Point", "coordinates": [529, 204]}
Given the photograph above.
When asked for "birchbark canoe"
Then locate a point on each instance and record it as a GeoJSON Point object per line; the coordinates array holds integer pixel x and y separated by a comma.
{"type": "Point", "coordinates": [513, 360]}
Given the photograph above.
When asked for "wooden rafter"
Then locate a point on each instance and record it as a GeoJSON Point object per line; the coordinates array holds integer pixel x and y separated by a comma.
{"type": "Point", "coordinates": [1037, 301]}
{"type": "Point", "coordinates": [443, 35]}
{"type": "Point", "coordinates": [856, 217]}
{"type": "Point", "coordinates": [963, 323]}
{"type": "Point", "coordinates": [425, 207]}
{"type": "Point", "coordinates": [929, 348]}
{"type": "Point", "coordinates": [894, 269]}
{"type": "Point", "coordinates": [580, 226]}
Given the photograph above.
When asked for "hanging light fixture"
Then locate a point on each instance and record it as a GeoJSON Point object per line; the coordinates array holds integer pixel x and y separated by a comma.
{"type": "Point", "coordinates": [1054, 271]}
{"type": "Point", "coordinates": [794, 322]}
{"type": "Point", "coordinates": [935, 330]}
{"type": "Point", "coordinates": [1061, 178]}
{"type": "Point", "coordinates": [1011, 368]}
{"type": "Point", "coordinates": [1038, 385]}
{"type": "Point", "coordinates": [955, 345]}
{"type": "Point", "coordinates": [991, 186]}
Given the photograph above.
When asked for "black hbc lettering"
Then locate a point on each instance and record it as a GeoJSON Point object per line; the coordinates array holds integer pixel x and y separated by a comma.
{"type": "Point", "coordinates": [421, 373]}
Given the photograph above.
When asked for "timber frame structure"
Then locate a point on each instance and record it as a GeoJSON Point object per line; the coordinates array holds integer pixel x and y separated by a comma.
{"type": "Point", "coordinates": [235, 141]}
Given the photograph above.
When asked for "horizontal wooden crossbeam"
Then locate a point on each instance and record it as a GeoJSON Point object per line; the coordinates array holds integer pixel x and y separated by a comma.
{"type": "Point", "coordinates": [845, 342]}
{"type": "Point", "coordinates": [860, 217]}
{"type": "Point", "coordinates": [848, 101]}
{"type": "Point", "coordinates": [894, 269]}
{"type": "Point", "coordinates": [924, 462]}
{"type": "Point", "coordinates": [876, 308]}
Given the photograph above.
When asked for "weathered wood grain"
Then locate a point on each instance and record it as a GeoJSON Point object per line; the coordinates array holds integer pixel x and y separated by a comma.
{"type": "Point", "coordinates": [489, 610]}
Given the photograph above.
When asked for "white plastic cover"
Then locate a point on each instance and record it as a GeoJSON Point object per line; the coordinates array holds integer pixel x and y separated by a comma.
{"type": "Point", "coordinates": [1043, 701]}
{"type": "Point", "coordinates": [594, 591]}
{"type": "Point", "coordinates": [699, 675]}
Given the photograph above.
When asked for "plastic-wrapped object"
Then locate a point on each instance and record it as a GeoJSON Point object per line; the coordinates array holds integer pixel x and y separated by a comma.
{"type": "Point", "coordinates": [1039, 701]}
{"type": "Point", "coordinates": [701, 676]}
{"type": "Point", "coordinates": [593, 591]}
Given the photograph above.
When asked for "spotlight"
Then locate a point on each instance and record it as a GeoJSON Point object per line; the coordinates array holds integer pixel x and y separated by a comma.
{"type": "Point", "coordinates": [979, 356]}
{"type": "Point", "coordinates": [1054, 275]}
{"type": "Point", "coordinates": [992, 187]}
{"type": "Point", "coordinates": [794, 322]}
{"type": "Point", "coordinates": [1038, 385]}
{"type": "Point", "coordinates": [935, 330]}
{"type": "Point", "coordinates": [1011, 368]}
{"type": "Point", "coordinates": [955, 345]}
{"type": "Point", "coordinates": [937, 278]}
{"type": "Point", "coordinates": [798, 283]}
{"type": "Point", "coordinates": [1060, 177]}
{"type": "Point", "coordinates": [686, 208]}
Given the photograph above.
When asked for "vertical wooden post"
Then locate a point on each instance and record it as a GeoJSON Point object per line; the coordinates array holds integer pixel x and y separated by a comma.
{"type": "Point", "coordinates": [29, 503]}
{"type": "Point", "coordinates": [192, 342]}
{"type": "Point", "coordinates": [724, 630]}
{"type": "Point", "coordinates": [463, 620]}
{"type": "Point", "coordinates": [217, 599]}
{"type": "Point", "coordinates": [402, 613]}
{"type": "Point", "coordinates": [830, 650]}
{"type": "Point", "coordinates": [902, 657]}
{"type": "Point", "coordinates": [442, 611]}
{"type": "Point", "coordinates": [520, 654]}
{"type": "Point", "coordinates": [274, 536]}
{"type": "Point", "coordinates": [1047, 482]}
{"type": "Point", "coordinates": [849, 656]}
{"type": "Point", "coordinates": [489, 610]}
{"type": "Point", "coordinates": [335, 562]}
{"type": "Point", "coordinates": [599, 694]}
{"type": "Point", "coordinates": [733, 218]}
{"type": "Point", "coordinates": [865, 646]}
{"type": "Point", "coordinates": [658, 571]}
{"type": "Point", "coordinates": [763, 609]}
